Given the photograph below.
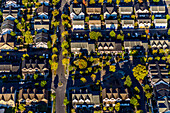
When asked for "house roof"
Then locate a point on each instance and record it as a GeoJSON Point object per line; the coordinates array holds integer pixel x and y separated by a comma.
{"type": "Point", "coordinates": [78, 22]}
{"type": "Point", "coordinates": [142, 6]}
{"type": "Point", "coordinates": [111, 21]}
{"type": "Point", "coordinates": [7, 22]}
{"type": "Point", "coordinates": [110, 8]}
{"type": "Point", "coordinates": [127, 22]}
{"type": "Point", "coordinates": [42, 9]}
{"type": "Point", "coordinates": [41, 37]}
{"type": "Point", "coordinates": [160, 20]}
{"type": "Point", "coordinates": [157, 8]}
{"type": "Point", "coordinates": [125, 9]}
{"type": "Point", "coordinates": [77, 8]}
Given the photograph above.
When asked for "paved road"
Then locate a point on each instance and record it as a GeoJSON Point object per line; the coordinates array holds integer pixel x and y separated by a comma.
{"type": "Point", "coordinates": [60, 91]}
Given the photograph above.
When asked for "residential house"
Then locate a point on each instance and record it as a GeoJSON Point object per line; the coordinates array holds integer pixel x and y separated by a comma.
{"type": "Point", "coordinates": [157, 9]}
{"type": "Point", "coordinates": [144, 20]}
{"type": "Point", "coordinates": [85, 99]}
{"type": "Point", "coordinates": [7, 97]}
{"type": "Point", "coordinates": [160, 23]}
{"type": "Point", "coordinates": [76, 47]}
{"type": "Point", "coordinates": [46, 2]}
{"type": "Point", "coordinates": [159, 42]}
{"type": "Point", "coordinates": [109, 46]}
{"type": "Point", "coordinates": [127, 23]}
{"type": "Point", "coordinates": [78, 24]}
{"type": "Point", "coordinates": [7, 42]}
{"type": "Point", "coordinates": [93, 9]}
{"type": "Point", "coordinates": [110, 16]}
{"type": "Point", "coordinates": [125, 10]}
{"type": "Point", "coordinates": [11, 3]}
{"type": "Point", "coordinates": [40, 24]}
{"type": "Point", "coordinates": [141, 8]}
{"type": "Point", "coordinates": [10, 13]}
{"type": "Point", "coordinates": [35, 66]}
{"type": "Point", "coordinates": [9, 69]}
{"type": "Point", "coordinates": [32, 97]}
{"type": "Point", "coordinates": [158, 73]}
{"type": "Point", "coordinates": [7, 26]}
{"type": "Point", "coordinates": [41, 40]}
{"type": "Point", "coordinates": [94, 22]}
{"type": "Point", "coordinates": [43, 11]}
{"type": "Point", "coordinates": [77, 11]}
{"type": "Point", "coordinates": [135, 44]}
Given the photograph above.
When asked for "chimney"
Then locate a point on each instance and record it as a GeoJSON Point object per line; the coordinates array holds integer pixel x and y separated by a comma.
{"type": "Point", "coordinates": [86, 90]}
{"type": "Point", "coordinates": [80, 90]}
{"type": "Point", "coordinates": [28, 90]}
{"type": "Point", "coordinates": [3, 89]}
{"type": "Point", "coordinates": [12, 89]}
{"type": "Point", "coordinates": [34, 90]}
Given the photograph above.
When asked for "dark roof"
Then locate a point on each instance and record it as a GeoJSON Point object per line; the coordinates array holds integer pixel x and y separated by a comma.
{"type": "Point", "coordinates": [6, 38]}
{"type": "Point", "coordinates": [41, 37]}
{"type": "Point", "coordinates": [142, 6]}
{"type": "Point", "coordinates": [42, 9]}
{"type": "Point", "coordinates": [109, 8]}
{"type": "Point", "coordinates": [7, 22]}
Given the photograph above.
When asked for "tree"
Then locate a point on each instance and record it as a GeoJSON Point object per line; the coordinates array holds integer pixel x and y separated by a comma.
{"type": "Point", "coordinates": [112, 33]}
{"type": "Point", "coordinates": [104, 108]}
{"type": "Point", "coordinates": [21, 107]}
{"type": "Point", "coordinates": [65, 61]}
{"type": "Point", "coordinates": [93, 76]}
{"type": "Point", "coordinates": [30, 111]}
{"type": "Point", "coordinates": [1, 13]}
{"type": "Point", "coordinates": [140, 72]}
{"type": "Point", "coordinates": [94, 35]}
{"type": "Point", "coordinates": [140, 1]}
{"type": "Point", "coordinates": [134, 102]}
{"type": "Point", "coordinates": [53, 38]}
{"type": "Point", "coordinates": [127, 1]}
{"type": "Point", "coordinates": [146, 88]}
{"type": "Point", "coordinates": [86, 19]}
{"type": "Point", "coordinates": [64, 33]}
{"type": "Point", "coordinates": [128, 81]}
{"type": "Point", "coordinates": [65, 44]}
{"type": "Point", "coordinates": [65, 102]}
{"type": "Point", "coordinates": [148, 95]}
{"type": "Point", "coordinates": [49, 44]}
{"type": "Point", "coordinates": [139, 111]}
{"type": "Point", "coordinates": [138, 97]}
{"type": "Point", "coordinates": [120, 36]}
{"type": "Point", "coordinates": [110, 108]}
{"type": "Point", "coordinates": [167, 17]}
{"type": "Point", "coordinates": [35, 76]}
{"type": "Point", "coordinates": [133, 16]}
{"type": "Point", "coordinates": [92, 2]}
{"type": "Point", "coordinates": [43, 83]}
{"type": "Point", "coordinates": [100, 1]}
{"type": "Point", "coordinates": [109, 1]}
{"type": "Point", "coordinates": [117, 2]}
{"type": "Point", "coordinates": [12, 33]}
{"type": "Point", "coordinates": [65, 52]}
{"type": "Point", "coordinates": [156, 1]}
{"type": "Point", "coordinates": [16, 21]}
{"type": "Point", "coordinates": [55, 23]}
{"type": "Point", "coordinates": [83, 79]}
{"type": "Point", "coordinates": [55, 50]}
{"type": "Point", "coordinates": [112, 68]}
{"type": "Point", "coordinates": [55, 2]}
{"type": "Point", "coordinates": [117, 106]}
{"type": "Point", "coordinates": [28, 37]}
{"type": "Point", "coordinates": [153, 17]}
{"type": "Point", "coordinates": [54, 66]}
{"type": "Point", "coordinates": [55, 12]}
{"type": "Point", "coordinates": [137, 89]}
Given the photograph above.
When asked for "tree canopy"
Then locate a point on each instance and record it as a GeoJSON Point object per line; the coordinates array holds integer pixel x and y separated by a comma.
{"type": "Point", "coordinates": [128, 81]}
{"type": "Point", "coordinates": [112, 33]}
{"type": "Point", "coordinates": [95, 35]}
{"type": "Point", "coordinates": [140, 72]}
{"type": "Point", "coordinates": [117, 106]}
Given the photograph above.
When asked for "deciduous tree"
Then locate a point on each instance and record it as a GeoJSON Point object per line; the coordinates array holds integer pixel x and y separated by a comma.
{"type": "Point", "coordinates": [128, 81]}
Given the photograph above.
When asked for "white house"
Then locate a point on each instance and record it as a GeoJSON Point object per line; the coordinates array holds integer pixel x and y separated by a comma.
{"type": "Point", "coordinates": [160, 23]}
{"type": "Point", "coordinates": [127, 24]}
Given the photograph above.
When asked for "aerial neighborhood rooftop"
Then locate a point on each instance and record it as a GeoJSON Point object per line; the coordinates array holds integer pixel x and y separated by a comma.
{"type": "Point", "coordinates": [84, 56]}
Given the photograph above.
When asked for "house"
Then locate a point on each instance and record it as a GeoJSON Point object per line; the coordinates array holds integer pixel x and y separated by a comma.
{"type": "Point", "coordinates": [109, 46]}
{"type": "Point", "coordinates": [33, 97]}
{"type": "Point", "coordinates": [94, 24]}
{"type": "Point", "coordinates": [159, 42]}
{"type": "Point", "coordinates": [11, 3]}
{"type": "Point", "coordinates": [141, 8]}
{"type": "Point", "coordinates": [7, 97]}
{"type": "Point", "coordinates": [9, 69]}
{"type": "Point", "coordinates": [34, 66]}
{"type": "Point", "coordinates": [160, 23]}
{"type": "Point", "coordinates": [111, 96]}
{"type": "Point", "coordinates": [41, 40]}
{"type": "Point", "coordinates": [110, 16]}
{"type": "Point", "coordinates": [78, 24]}
{"type": "Point", "coordinates": [10, 13]}
{"type": "Point", "coordinates": [7, 26]}
{"type": "Point", "coordinates": [158, 73]}
{"type": "Point", "coordinates": [135, 44]}
{"type": "Point", "coordinates": [127, 23]}
{"type": "Point", "coordinates": [93, 9]}
{"type": "Point", "coordinates": [144, 20]}
{"type": "Point", "coordinates": [157, 9]}
{"type": "Point", "coordinates": [77, 11]}
{"type": "Point", "coordinates": [40, 24]}
{"type": "Point", "coordinates": [46, 2]}
{"type": "Point", "coordinates": [76, 47]}
{"type": "Point", "coordinates": [85, 99]}
{"type": "Point", "coordinates": [125, 10]}
{"type": "Point", "coordinates": [42, 11]}
{"type": "Point", "coordinates": [7, 42]}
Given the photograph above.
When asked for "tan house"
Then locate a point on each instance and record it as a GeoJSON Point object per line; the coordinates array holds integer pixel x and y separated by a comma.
{"type": "Point", "coordinates": [7, 97]}
{"type": "Point", "coordinates": [41, 24]}
{"type": "Point", "coordinates": [157, 9]}
{"type": "Point", "coordinates": [125, 10]}
{"type": "Point", "coordinates": [77, 46]}
{"type": "Point", "coordinates": [32, 97]}
{"type": "Point", "coordinates": [31, 66]}
{"type": "Point", "coordinates": [94, 24]}
{"type": "Point", "coordinates": [135, 44]}
{"type": "Point", "coordinates": [6, 42]}
{"type": "Point", "coordinates": [93, 10]}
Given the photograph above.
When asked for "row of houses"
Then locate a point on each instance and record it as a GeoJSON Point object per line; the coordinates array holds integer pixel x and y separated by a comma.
{"type": "Point", "coordinates": [110, 45]}
{"type": "Point", "coordinates": [27, 68]}
{"type": "Point", "coordinates": [39, 21]}
{"type": "Point", "coordinates": [110, 14]}
{"type": "Point", "coordinates": [9, 96]}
